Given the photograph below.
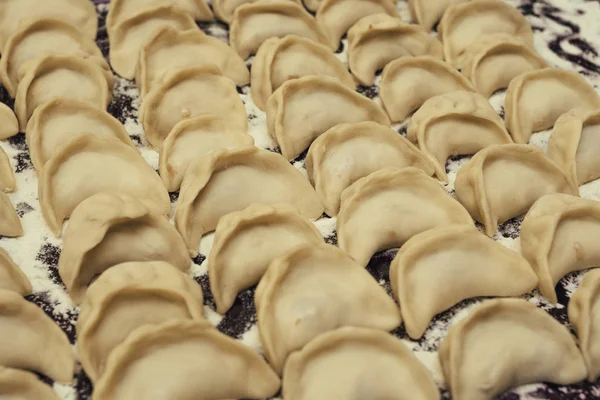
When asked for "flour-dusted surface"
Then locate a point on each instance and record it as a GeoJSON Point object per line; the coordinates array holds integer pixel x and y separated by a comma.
{"type": "Point", "coordinates": [567, 35]}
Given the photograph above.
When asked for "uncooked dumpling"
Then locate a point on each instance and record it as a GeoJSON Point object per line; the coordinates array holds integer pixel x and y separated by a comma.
{"type": "Point", "coordinates": [67, 76]}
{"type": "Point", "coordinates": [40, 345]}
{"type": "Point", "coordinates": [314, 289]}
{"type": "Point", "coordinates": [439, 268]}
{"type": "Point", "coordinates": [377, 39]}
{"type": "Point", "coordinates": [192, 139]}
{"type": "Point", "coordinates": [21, 385]}
{"type": "Point", "coordinates": [406, 83]}
{"type": "Point", "coordinates": [386, 208]}
{"type": "Point", "coordinates": [488, 184]}
{"type": "Point", "coordinates": [230, 180]}
{"type": "Point", "coordinates": [7, 177]}
{"type": "Point", "coordinates": [558, 236]}
{"type": "Point", "coordinates": [505, 343]}
{"type": "Point", "coordinates": [10, 223]}
{"type": "Point", "coordinates": [41, 36]}
{"type": "Point", "coordinates": [455, 123]}
{"type": "Point", "coordinates": [112, 228]}
{"type": "Point", "coordinates": [256, 22]}
{"type": "Point", "coordinates": [534, 100]}
{"type": "Point", "coordinates": [323, 100]}
{"type": "Point", "coordinates": [185, 360]}
{"type": "Point", "coordinates": [247, 241]}
{"type": "Point", "coordinates": [357, 363]}
{"type": "Point", "coordinates": [279, 60]}
{"type": "Point", "coordinates": [190, 92]}
{"type": "Point", "coordinates": [467, 22]}
{"type": "Point", "coordinates": [224, 9]}
{"type": "Point", "coordinates": [348, 152]}
{"type": "Point", "coordinates": [170, 48]}
{"type": "Point", "coordinates": [9, 125]}
{"type": "Point", "coordinates": [11, 276]}
{"type": "Point", "coordinates": [573, 144]}
{"type": "Point", "coordinates": [428, 12]}
{"type": "Point", "coordinates": [126, 297]}
{"type": "Point", "coordinates": [91, 164]}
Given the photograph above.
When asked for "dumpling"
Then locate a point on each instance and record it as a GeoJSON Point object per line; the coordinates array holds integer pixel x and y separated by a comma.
{"type": "Point", "coordinates": [455, 123]}
{"type": "Point", "coordinates": [506, 343]}
{"type": "Point", "coordinates": [492, 62]}
{"type": "Point", "coordinates": [108, 229]}
{"type": "Point", "coordinates": [256, 22]}
{"type": "Point", "coordinates": [356, 363]}
{"type": "Point", "coordinates": [224, 9]}
{"type": "Point", "coordinates": [467, 22]}
{"type": "Point", "coordinates": [406, 83]}
{"type": "Point", "coordinates": [126, 297]}
{"type": "Point", "coordinates": [279, 60]}
{"type": "Point", "coordinates": [386, 208]}
{"type": "Point", "coordinates": [170, 48]}
{"type": "Point", "coordinates": [62, 119]}
{"type": "Point", "coordinates": [584, 319]}
{"type": "Point", "coordinates": [192, 139]}
{"type": "Point", "coordinates": [501, 182]}
{"type": "Point", "coordinates": [534, 100]}
{"type": "Point", "coordinates": [230, 180]}
{"type": "Point", "coordinates": [41, 36]}
{"type": "Point", "coordinates": [377, 39]}
{"type": "Point", "coordinates": [335, 17]}
{"type": "Point", "coordinates": [128, 36]}
{"type": "Point", "coordinates": [573, 142]}
{"type": "Point", "coordinates": [314, 289]}
{"type": "Point", "coordinates": [557, 237]}
{"type": "Point", "coordinates": [10, 224]}
{"type": "Point", "coordinates": [348, 152]}
{"type": "Point", "coordinates": [41, 346]}
{"type": "Point", "coordinates": [90, 164]}
{"type": "Point", "coordinates": [322, 100]}
{"type": "Point", "coordinates": [186, 93]}
{"type": "Point", "coordinates": [439, 268]}
{"type": "Point", "coordinates": [9, 125]}
{"type": "Point", "coordinates": [7, 177]}
{"type": "Point", "coordinates": [11, 276]}
{"type": "Point", "coordinates": [247, 241]}
{"type": "Point", "coordinates": [67, 76]}
{"type": "Point", "coordinates": [22, 385]}
{"type": "Point", "coordinates": [428, 12]}
{"type": "Point", "coordinates": [199, 361]}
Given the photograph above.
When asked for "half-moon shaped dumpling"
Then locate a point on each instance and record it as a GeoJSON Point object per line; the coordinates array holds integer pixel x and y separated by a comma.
{"type": "Point", "coordinates": [348, 152]}
{"type": "Point", "coordinates": [506, 343]}
{"type": "Point", "coordinates": [10, 223]}
{"type": "Point", "coordinates": [190, 92]}
{"type": "Point", "coordinates": [41, 36]}
{"type": "Point", "coordinates": [224, 9]}
{"type": "Point", "coordinates": [230, 180]}
{"type": "Point", "coordinates": [534, 100]}
{"type": "Point", "coordinates": [557, 237]}
{"type": "Point", "coordinates": [386, 208]}
{"type": "Point", "coordinates": [573, 142]}
{"type": "Point", "coordinates": [11, 276]}
{"type": "Point", "coordinates": [503, 181]}
{"type": "Point", "coordinates": [41, 346]}
{"type": "Point", "coordinates": [455, 123]}
{"type": "Point", "coordinates": [428, 12]}
{"type": "Point", "coordinates": [439, 268]}
{"type": "Point", "coordinates": [314, 289]}
{"type": "Point", "coordinates": [467, 22]}
{"type": "Point", "coordinates": [247, 241]}
{"type": "Point", "coordinates": [335, 17]}
{"type": "Point", "coordinates": [170, 48]}
{"type": "Point", "coordinates": [126, 297]}
{"type": "Point", "coordinates": [22, 385]}
{"type": "Point", "coordinates": [90, 164]}
{"type": "Point", "coordinates": [108, 229]}
{"type": "Point", "coordinates": [322, 100]}
{"type": "Point", "coordinates": [406, 83]}
{"type": "Point", "coordinates": [221, 367]}
{"type": "Point", "coordinates": [62, 119]}
{"type": "Point", "coordinates": [9, 125]}
{"type": "Point", "coordinates": [584, 318]}
{"type": "Point", "coordinates": [67, 76]}
{"type": "Point", "coordinates": [7, 177]}
{"type": "Point", "coordinates": [280, 59]}
{"type": "Point", "coordinates": [492, 62]}
{"type": "Point", "coordinates": [256, 22]}
{"type": "Point", "coordinates": [356, 363]}
{"type": "Point", "coordinates": [192, 139]}
{"type": "Point", "coordinates": [377, 39]}
{"type": "Point", "coordinates": [129, 36]}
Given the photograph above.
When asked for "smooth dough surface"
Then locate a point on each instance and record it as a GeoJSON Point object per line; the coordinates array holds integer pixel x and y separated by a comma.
{"type": "Point", "coordinates": [9, 125]}
{"type": "Point", "coordinates": [10, 223]}
{"type": "Point", "coordinates": [7, 176]}
{"type": "Point", "coordinates": [428, 12]}
{"type": "Point", "coordinates": [12, 277]}
{"type": "Point", "coordinates": [21, 385]}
